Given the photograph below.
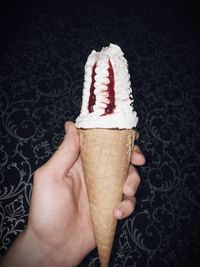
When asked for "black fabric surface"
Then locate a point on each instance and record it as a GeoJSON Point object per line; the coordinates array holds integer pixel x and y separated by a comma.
{"type": "Point", "coordinates": [43, 49]}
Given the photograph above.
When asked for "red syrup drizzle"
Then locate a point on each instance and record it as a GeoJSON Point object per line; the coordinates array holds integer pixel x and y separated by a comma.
{"type": "Point", "coordinates": [111, 92]}
{"type": "Point", "coordinates": [92, 98]}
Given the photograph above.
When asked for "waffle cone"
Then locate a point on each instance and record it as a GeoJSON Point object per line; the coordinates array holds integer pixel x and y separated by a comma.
{"type": "Point", "coordinates": [105, 155]}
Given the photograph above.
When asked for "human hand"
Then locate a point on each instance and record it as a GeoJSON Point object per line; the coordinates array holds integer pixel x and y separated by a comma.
{"type": "Point", "coordinates": [60, 227]}
{"type": "Point", "coordinates": [127, 205]}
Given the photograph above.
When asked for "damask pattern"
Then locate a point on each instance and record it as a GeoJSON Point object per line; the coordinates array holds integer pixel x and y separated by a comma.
{"type": "Point", "coordinates": [41, 76]}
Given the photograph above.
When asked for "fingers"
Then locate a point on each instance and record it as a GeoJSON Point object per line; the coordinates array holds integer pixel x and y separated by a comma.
{"type": "Point", "coordinates": [66, 154]}
{"type": "Point", "coordinates": [137, 157]}
{"type": "Point", "coordinates": [125, 207]}
{"type": "Point", "coordinates": [132, 182]}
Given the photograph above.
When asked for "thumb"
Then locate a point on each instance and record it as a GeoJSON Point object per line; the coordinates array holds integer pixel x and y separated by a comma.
{"type": "Point", "coordinates": [66, 154]}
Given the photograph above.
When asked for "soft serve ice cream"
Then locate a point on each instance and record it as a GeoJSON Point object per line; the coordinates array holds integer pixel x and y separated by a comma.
{"type": "Point", "coordinates": [106, 136]}
{"type": "Point", "coordinates": [107, 94]}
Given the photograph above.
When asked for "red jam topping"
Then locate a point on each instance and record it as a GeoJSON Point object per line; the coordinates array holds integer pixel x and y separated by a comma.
{"type": "Point", "coordinates": [92, 98]}
{"type": "Point", "coordinates": [111, 93]}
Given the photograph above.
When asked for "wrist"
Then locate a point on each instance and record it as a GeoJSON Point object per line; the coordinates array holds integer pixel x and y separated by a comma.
{"type": "Point", "coordinates": [52, 252]}
{"type": "Point", "coordinates": [65, 248]}
{"type": "Point", "coordinates": [36, 254]}
{"type": "Point", "coordinates": [31, 250]}
{"type": "Point", "coordinates": [25, 252]}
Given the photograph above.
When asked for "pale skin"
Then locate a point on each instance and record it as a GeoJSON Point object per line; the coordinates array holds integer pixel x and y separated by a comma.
{"type": "Point", "coordinates": [59, 231]}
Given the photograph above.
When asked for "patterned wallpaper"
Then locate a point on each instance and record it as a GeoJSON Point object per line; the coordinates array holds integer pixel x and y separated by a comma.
{"type": "Point", "coordinates": [42, 56]}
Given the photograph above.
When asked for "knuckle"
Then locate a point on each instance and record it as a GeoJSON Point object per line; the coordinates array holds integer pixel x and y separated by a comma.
{"type": "Point", "coordinates": [128, 207]}
{"type": "Point", "coordinates": [135, 177]}
{"type": "Point", "coordinates": [131, 204]}
{"type": "Point", "coordinates": [38, 173]}
{"type": "Point", "coordinates": [138, 180]}
{"type": "Point", "coordinates": [41, 173]}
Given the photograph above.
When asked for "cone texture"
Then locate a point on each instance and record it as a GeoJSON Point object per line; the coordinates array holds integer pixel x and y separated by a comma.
{"type": "Point", "coordinates": [105, 155]}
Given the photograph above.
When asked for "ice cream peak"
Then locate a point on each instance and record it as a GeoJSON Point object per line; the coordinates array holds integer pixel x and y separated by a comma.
{"type": "Point", "coordinates": [107, 94]}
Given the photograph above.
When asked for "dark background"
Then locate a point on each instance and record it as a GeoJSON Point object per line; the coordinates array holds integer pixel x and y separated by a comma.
{"type": "Point", "coordinates": [43, 49]}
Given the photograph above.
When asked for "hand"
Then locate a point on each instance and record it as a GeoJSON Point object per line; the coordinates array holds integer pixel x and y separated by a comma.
{"type": "Point", "coordinates": [59, 230]}
{"type": "Point", "coordinates": [127, 206]}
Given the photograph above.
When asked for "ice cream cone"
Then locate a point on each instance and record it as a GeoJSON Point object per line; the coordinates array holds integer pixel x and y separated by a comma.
{"type": "Point", "coordinates": [105, 155]}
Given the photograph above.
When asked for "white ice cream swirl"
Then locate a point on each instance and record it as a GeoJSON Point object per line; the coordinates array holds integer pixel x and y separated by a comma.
{"type": "Point", "coordinates": [104, 109]}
